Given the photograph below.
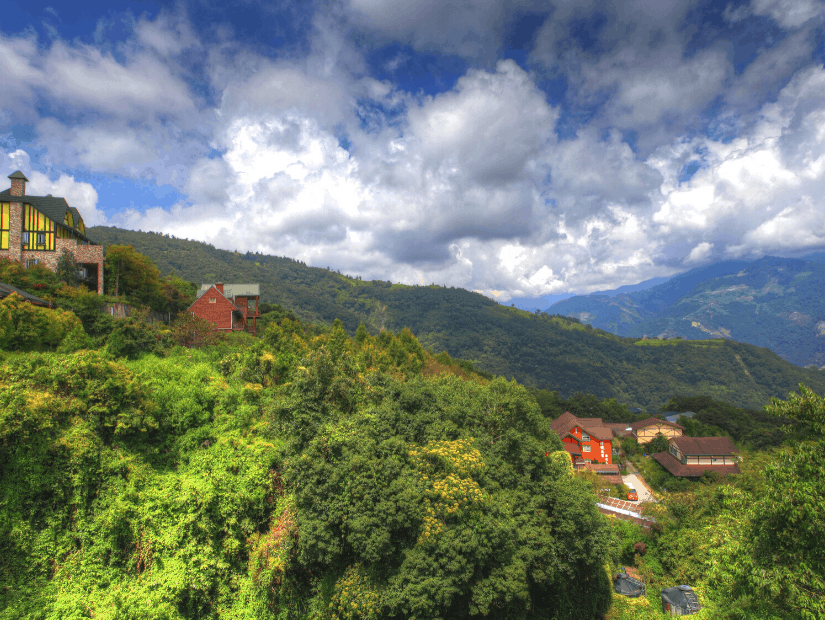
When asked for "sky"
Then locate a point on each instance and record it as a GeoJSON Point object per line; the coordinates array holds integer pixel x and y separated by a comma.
{"type": "Point", "coordinates": [526, 150]}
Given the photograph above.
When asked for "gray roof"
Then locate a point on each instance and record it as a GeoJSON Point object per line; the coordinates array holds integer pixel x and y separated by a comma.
{"type": "Point", "coordinates": [8, 289]}
{"type": "Point", "coordinates": [53, 208]}
{"type": "Point", "coordinates": [675, 416]}
{"type": "Point", "coordinates": [18, 175]}
{"type": "Point", "coordinates": [234, 290]}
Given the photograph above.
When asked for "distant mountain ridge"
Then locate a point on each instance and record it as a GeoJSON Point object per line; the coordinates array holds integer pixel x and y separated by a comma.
{"type": "Point", "coordinates": [539, 350]}
{"type": "Point", "coordinates": [772, 302]}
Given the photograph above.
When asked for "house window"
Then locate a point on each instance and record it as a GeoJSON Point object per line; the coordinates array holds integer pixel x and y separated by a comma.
{"type": "Point", "coordinates": [4, 226]}
{"type": "Point", "coordinates": [585, 436]}
{"type": "Point", "coordinates": [213, 300]}
{"type": "Point", "coordinates": [38, 230]}
{"type": "Point", "coordinates": [31, 262]}
{"type": "Point", "coordinates": [585, 448]}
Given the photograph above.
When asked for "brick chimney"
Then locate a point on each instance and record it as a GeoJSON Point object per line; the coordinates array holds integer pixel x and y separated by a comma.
{"type": "Point", "coordinates": [219, 286]}
{"type": "Point", "coordinates": [18, 183]}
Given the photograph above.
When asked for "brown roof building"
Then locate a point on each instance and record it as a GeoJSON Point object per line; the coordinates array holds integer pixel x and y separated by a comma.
{"type": "Point", "coordinates": [646, 430]}
{"type": "Point", "coordinates": [586, 439]}
{"type": "Point", "coordinates": [690, 457]}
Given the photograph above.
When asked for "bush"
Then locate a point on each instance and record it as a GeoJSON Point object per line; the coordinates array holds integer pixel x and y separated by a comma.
{"type": "Point", "coordinates": [26, 327]}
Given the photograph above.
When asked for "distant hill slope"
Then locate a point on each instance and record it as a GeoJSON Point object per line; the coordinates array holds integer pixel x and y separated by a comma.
{"type": "Point", "coordinates": [538, 350]}
{"type": "Point", "coordinates": [778, 303]}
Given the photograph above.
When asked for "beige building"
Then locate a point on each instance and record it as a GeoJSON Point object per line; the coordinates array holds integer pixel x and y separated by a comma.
{"type": "Point", "coordinates": [690, 457]}
{"type": "Point", "coordinates": [646, 430]}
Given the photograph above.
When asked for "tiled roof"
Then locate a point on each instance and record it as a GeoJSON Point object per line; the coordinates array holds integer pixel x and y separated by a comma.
{"type": "Point", "coordinates": [202, 291]}
{"type": "Point", "coordinates": [603, 468]}
{"type": "Point", "coordinates": [700, 446]}
{"type": "Point", "coordinates": [234, 290]}
{"type": "Point", "coordinates": [8, 289]}
{"type": "Point", "coordinates": [53, 208]}
{"type": "Point", "coordinates": [651, 422]}
{"type": "Point", "coordinates": [572, 448]}
{"type": "Point", "coordinates": [594, 426]}
{"type": "Point", "coordinates": [679, 469]}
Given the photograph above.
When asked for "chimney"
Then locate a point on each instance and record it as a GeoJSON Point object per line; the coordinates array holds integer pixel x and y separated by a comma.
{"type": "Point", "coordinates": [18, 183]}
{"type": "Point", "coordinates": [219, 286]}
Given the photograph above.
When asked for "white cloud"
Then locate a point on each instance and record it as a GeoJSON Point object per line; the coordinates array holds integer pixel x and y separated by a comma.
{"type": "Point", "coordinates": [79, 194]}
{"type": "Point", "coordinates": [468, 187]}
{"type": "Point", "coordinates": [789, 13]}
{"type": "Point", "coordinates": [700, 253]}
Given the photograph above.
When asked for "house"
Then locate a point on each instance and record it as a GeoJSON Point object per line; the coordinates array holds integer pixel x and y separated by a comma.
{"type": "Point", "coordinates": [36, 229]}
{"type": "Point", "coordinates": [673, 416]}
{"type": "Point", "coordinates": [689, 457]}
{"type": "Point", "coordinates": [587, 440]}
{"type": "Point", "coordinates": [229, 306]}
{"type": "Point", "coordinates": [646, 430]}
{"type": "Point", "coordinates": [680, 601]}
{"type": "Point", "coordinates": [8, 289]}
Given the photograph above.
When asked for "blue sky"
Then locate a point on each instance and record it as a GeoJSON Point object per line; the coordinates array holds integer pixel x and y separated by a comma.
{"type": "Point", "coordinates": [517, 148]}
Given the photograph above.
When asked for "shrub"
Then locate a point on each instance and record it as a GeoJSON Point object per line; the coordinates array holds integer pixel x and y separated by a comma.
{"type": "Point", "coordinates": [26, 327]}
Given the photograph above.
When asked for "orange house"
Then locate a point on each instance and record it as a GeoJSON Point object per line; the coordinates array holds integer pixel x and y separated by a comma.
{"type": "Point", "coordinates": [230, 307]}
{"type": "Point", "coordinates": [587, 440]}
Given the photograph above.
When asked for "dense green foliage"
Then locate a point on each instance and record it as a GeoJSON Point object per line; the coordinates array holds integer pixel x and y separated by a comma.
{"type": "Point", "coordinates": [753, 545]}
{"type": "Point", "coordinates": [754, 428]}
{"type": "Point", "coordinates": [293, 476]}
{"type": "Point", "coordinates": [547, 352]}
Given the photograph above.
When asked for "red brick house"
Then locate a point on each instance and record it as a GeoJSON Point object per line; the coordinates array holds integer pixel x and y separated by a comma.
{"type": "Point", "coordinates": [36, 229]}
{"type": "Point", "coordinates": [231, 307]}
{"type": "Point", "coordinates": [587, 440]}
{"type": "Point", "coordinates": [689, 457]}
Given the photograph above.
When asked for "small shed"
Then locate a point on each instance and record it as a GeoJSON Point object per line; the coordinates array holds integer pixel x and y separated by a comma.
{"type": "Point", "coordinates": [626, 585]}
{"type": "Point", "coordinates": [680, 601]}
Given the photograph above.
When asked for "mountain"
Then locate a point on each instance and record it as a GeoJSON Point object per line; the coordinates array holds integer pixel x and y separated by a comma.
{"type": "Point", "coordinates": [539, 350]}
{"type": "Point", "coordinates": [771, 302]}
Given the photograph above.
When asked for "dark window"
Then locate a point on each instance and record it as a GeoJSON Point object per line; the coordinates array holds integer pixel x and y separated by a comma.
{"type": "Point", "coordinates": [41, 238]}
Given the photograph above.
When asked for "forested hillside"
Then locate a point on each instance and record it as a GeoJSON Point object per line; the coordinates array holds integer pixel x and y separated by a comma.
{"type": "Point", "coordinates": [540, 351]}
{"type": "Point", "coordinates": [771, 302]}
{"type": "Point", "coordinates": [296, 476]}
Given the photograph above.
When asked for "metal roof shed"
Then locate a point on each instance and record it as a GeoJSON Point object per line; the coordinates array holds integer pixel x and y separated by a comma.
{"type": "Point", "coordinates": [680, 601]}
{"type": "Point", "coordinates": [626, 585]}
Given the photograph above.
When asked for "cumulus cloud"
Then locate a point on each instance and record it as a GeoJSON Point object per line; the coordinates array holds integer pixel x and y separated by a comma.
{"type": "Point", "coordinates": [308, 155]}
{"type": "Point", "coordinates": [79, 194]}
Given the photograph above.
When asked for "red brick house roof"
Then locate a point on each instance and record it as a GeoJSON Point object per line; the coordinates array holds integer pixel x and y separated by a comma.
{"type": "Point", "coordinates": [651, 422]}
{"type": "Point", "coordinates": [679, 469]}
{"type": "Point", "coordinates": [593, 426]}
{"type": "Point", "coordinates": [703, 446]}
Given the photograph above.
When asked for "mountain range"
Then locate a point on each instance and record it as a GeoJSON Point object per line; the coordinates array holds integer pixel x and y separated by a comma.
{"type": "Point", "coordinates": [539, 350]}
{"type": "Point", "coordinates": [772, 302]}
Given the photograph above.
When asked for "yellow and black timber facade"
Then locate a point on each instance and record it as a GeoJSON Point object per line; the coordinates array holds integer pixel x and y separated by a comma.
{"type": "Point", "coordinates": [37, 229]}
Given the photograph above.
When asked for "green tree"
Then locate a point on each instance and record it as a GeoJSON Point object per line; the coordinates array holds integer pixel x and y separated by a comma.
{"type": "Point", "coordinates": [67, 269]}
{"type": "Point", "coordinates": [778, 557]}
{"type": "Point", "coordinates": [659, 443]}
{"type": "Point", "coordinates": [130, 273]}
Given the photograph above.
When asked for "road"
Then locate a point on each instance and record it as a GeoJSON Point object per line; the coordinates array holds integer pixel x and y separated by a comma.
{"type": "Point", "coordinates": [633, 482]}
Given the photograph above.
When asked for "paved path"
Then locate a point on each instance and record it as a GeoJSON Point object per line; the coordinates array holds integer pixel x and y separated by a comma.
{"type": "Point", "coordinates": [635, 482]}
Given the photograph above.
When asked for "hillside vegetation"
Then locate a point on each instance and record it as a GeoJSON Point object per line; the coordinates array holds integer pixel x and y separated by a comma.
{"type": "Point", "coordinates": [309, 475]}
{"type": "Point", "coordinates": [298, 476]}
{"type": "Point", "coordinates": [771, 302]}
{"type": "Point", "coordinates": [541, 351]}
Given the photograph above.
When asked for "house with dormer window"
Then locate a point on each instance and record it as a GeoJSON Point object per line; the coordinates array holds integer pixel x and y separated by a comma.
{"type": "Point", "coordinates": [37, 229]}
{"type": "Point", "coordinates": [587, 440]}
{"type": "Point", "coordinates": [230, 307]}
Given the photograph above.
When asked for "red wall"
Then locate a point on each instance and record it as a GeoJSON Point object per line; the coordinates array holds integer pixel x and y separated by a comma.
{"type": "Point", "coordinates": [595, 453]}
{"type": "Point", "coordinates": [219, 313]}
